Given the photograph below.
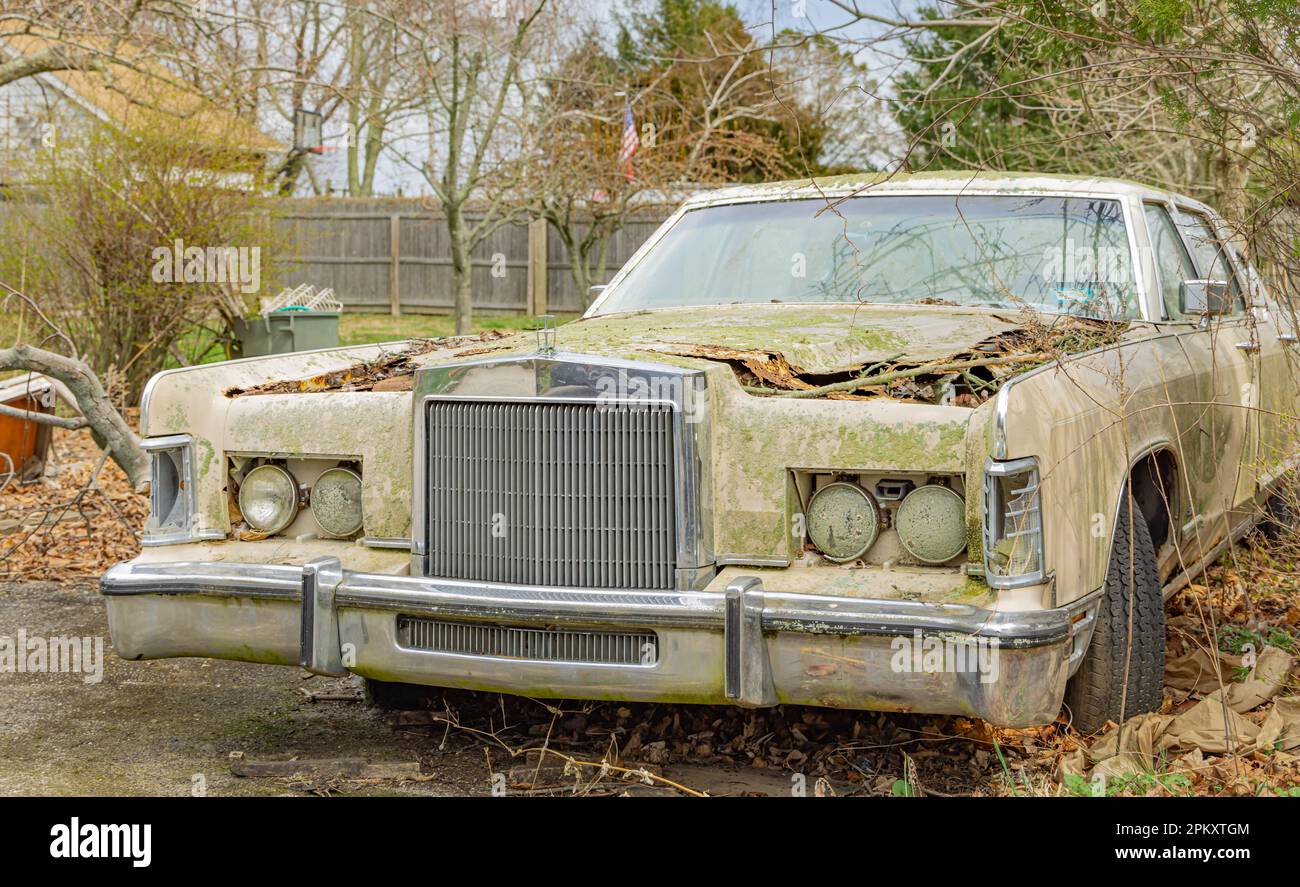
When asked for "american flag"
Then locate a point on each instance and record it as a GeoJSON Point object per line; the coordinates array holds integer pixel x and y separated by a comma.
{"type": "Point", "coordinates": [630, 140]}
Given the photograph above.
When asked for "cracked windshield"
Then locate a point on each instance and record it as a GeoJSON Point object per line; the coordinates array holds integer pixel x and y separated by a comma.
{"type": "Point", "coordinates": [1065, 255]}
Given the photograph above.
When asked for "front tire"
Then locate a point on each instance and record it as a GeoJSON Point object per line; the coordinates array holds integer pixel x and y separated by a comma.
{"type": "Point", "coordinates": [1096, 694]}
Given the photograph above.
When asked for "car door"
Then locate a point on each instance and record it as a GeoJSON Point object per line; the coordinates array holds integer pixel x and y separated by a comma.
{"type": "Point", "coordinates": [1274, 325]}
{"type": "Point", "coordinates": [1188, 371]}
{"type": "Point", "coordinates": [1233, 342]}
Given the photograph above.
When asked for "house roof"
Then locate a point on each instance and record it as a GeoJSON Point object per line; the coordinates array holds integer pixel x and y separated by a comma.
{"type": "Point", "coordinates": [142, 94]}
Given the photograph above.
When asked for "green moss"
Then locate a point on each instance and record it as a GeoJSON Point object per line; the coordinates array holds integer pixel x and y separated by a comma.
{"type": "Point", "coordinates": [206, 454]}
{"type": "Point", "coordinates": [974, 588]}
{"type": "Point", "coordinates": [752, 531]}
{"type": "Point", "coordinates": [913, 446]}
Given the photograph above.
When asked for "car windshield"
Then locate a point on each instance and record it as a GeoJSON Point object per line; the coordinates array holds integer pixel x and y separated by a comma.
{"type": "Point", "coordinates": [1055, 254]}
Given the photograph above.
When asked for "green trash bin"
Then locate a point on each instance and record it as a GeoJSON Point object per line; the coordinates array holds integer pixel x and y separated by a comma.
{"type": "Point", "coordinates": [282, 332]}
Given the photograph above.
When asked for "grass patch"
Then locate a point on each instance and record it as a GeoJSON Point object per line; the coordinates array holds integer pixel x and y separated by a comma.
{"type": "Point", "coordinates": [366, 329]}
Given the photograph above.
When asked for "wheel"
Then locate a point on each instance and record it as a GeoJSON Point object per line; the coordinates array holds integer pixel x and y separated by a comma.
{"type": "Point", "coordinates": [1279, 517]}
{"type": "Point", "coordinates": [1096, 694]}
{"type": "Point", "coordinates": [397, 697]}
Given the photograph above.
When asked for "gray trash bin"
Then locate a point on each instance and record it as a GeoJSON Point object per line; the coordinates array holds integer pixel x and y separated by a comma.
{"type": "Point", "coordinates": [284, 331]}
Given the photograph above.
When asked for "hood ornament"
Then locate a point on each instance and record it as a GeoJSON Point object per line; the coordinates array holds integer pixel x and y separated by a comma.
{"type": "Point", "coordinates": [546, 334]}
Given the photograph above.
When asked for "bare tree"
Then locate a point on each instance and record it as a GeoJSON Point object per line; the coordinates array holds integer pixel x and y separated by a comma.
{"type": "Point", "coordinates": [472, 61]}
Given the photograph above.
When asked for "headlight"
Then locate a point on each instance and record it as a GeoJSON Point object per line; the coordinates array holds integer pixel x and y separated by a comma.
{"type": "Point", "coordinates": [268, 498]}
{"type": "Point", "coordinates": [1013, 524]}
{"type": "Point", "coordinates": [931, 524]}
{"type": "Point", "coordinates": [843, 521]}
{"type": "Point", "coordinates": [336, 501]}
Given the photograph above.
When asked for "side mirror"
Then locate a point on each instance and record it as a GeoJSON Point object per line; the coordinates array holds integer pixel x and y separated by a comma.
{"type": "Point", "coordinates": [593, 292]}
{"type": "Point", "coordinates": [1208, 298]}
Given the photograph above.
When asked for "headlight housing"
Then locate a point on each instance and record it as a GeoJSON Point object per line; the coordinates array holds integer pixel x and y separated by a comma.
{"type": "Point", "coordinates": [173, 517]}
{"type": "Point", "coordinates": [171, 490]}
{"type": "Point", "coordinates": [336, 501]}
{"type": "Point", "coordinates": [843, 521]}
{"type": "Point", "coordinates": [1013, 524]}
{"type": "Point", "coordinates": [931, 523]}
{"type": "Point", "coordinates": [268, 498]}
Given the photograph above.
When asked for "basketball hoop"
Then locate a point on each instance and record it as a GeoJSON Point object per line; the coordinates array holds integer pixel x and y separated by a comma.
{"type": "Point", "coordinates": [307, 130]}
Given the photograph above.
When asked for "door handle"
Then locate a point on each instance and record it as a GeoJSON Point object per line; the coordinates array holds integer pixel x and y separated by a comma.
{"type": "Point", "coordinates": [1248, 346]}
{"type": "Point", "coordinates": [1288, 338]}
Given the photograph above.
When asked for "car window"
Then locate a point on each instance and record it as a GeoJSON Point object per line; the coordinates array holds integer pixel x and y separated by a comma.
{"type": "Point", "coordinates": [1211, 259]}
{"type": "Point", "coordinates": [1172, 261]}
{"type": "Point", "coordinates": [1067, 255]}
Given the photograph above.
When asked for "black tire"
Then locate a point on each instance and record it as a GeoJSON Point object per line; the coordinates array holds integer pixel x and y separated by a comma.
{"type": "Point", "coordinates": [1279, 518]}
{"type": "Point", "coordinates": [1095, 694]}
{"type": "Point", "coordinates": [397, 697]}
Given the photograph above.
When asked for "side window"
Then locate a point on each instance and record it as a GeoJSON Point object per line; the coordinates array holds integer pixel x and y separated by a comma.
{"type": "Point", "coordinates": [1172, 261]}
{"type": "Point", "coordinates": [1211, 259]}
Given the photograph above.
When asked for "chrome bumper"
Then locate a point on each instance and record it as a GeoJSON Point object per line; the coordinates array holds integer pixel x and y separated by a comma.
{"type": "Point", "coordinates": [744, 645]}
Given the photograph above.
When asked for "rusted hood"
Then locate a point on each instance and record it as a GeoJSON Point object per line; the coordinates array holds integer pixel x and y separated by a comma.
{"type": "Point", "coordinates": [815, 339]}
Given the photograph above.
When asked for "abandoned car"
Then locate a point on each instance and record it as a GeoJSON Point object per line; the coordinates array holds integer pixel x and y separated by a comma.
{"type": "Point", "coordinates": [865, 443]}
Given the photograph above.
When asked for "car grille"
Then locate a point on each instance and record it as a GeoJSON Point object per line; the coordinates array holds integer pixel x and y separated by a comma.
{"type": "Point", "coordinates": [578, 495]}
{"type": "Point", "coordinates": [537, 644]}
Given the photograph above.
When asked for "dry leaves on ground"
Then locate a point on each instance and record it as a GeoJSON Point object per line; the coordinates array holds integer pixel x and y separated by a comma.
{"type": "Point", "coordinates": [74, 522]}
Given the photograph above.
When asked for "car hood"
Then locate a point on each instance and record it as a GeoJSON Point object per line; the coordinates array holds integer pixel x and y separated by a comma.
{"type": "Point", "coordinates": [815, 339]}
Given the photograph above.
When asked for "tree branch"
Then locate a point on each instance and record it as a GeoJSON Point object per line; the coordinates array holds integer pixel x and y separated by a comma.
{"type": "Point", "coordinates": [42, 418]}
{"type": "Point", "coordinates": [106, 423]}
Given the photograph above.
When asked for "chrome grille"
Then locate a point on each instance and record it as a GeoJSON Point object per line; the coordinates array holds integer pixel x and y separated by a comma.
{"type": "Point", "coordinates": [577, 494]}
{"type": "Point", "coordinates": [538, 644]}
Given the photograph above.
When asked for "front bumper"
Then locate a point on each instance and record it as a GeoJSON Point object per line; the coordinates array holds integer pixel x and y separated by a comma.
{"type": "Point", "coordinates": [743, 645]}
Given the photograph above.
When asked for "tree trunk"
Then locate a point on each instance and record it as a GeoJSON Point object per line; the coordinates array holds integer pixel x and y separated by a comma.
{"type": "Point", "coordinates": [1230, 167]}
{"type": "Point", "coordinates": [106, 424]}
{"type": "Point", "coordinates": [581, 279]}
{"type": "Point", "coordinates": [462, 290]}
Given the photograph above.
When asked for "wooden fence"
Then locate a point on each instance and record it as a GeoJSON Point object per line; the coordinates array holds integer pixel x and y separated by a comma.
{"type": "Point", "coordinates": [394, 255]}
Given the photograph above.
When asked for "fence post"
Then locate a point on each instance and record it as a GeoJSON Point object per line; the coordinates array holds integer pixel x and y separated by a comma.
{"type": "Point", "coordinates": [395, 264]}
{"type": "Point", "coordinates": [536, 283]}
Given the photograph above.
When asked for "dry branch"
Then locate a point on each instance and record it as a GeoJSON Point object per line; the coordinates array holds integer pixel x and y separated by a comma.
{"type": "Point", "coordinates": [111, 431]}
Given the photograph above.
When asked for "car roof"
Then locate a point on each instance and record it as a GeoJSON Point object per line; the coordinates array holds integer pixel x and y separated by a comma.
{"type": "Point", "coordinates": [975, 182]}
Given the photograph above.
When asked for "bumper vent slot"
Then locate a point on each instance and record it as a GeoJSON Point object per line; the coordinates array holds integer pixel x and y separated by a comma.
{"type": "Point", "coordinates": [534, 644]}
{"type": "Point", "coordinates": [577, 495]}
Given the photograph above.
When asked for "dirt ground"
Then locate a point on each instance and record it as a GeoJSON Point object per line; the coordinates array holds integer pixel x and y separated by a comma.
{"type": "Point", "coordinates": [149, 727]}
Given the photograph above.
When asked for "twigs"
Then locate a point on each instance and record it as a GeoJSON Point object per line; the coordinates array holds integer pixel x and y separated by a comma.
{"type": "Point", "coordinates": [875, 381]}
{"type": "Point", "coordinates": [74, 503]}
{"type": "Point", "coordinates": [641, 773]}
{"type": "Point", "coordinates": [43, 543]}
{"type": "Point", "coordinates": [572, 765]}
